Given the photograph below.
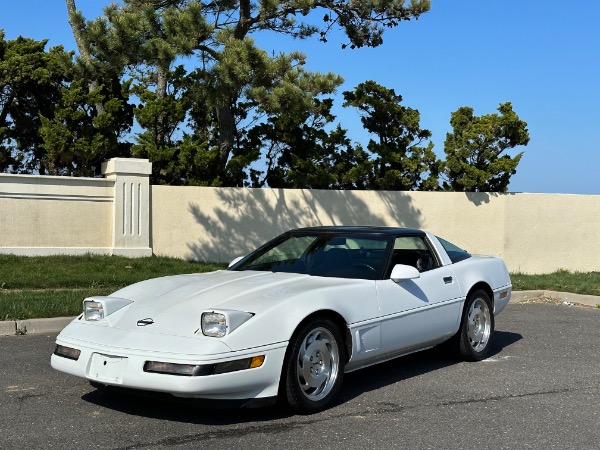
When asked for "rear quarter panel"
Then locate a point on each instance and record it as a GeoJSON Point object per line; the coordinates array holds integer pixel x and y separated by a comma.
{"type": "Point", "coordinates": [484, 269]}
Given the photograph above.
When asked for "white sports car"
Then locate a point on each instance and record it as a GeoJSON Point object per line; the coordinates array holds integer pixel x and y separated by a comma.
{"type": "Point", "coordinates": [290, 318]}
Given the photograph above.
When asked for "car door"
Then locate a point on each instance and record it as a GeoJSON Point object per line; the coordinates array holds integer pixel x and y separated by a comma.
{"type": "Point", "coordinates": [417, 313]}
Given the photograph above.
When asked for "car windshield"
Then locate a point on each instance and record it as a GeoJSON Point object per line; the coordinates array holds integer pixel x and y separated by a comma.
{"type": "Point", "coordinates": [324, 255]}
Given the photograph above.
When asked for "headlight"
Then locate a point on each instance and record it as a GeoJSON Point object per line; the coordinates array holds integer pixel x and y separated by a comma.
{"type": "Point", "coordinates": [214, 324]}
{"type": "Point", "coordinates": [218, 323]}
{"type": "Point", "coordinates": [99, 308]}
{"type": "Point", "coordinates": [93, 310]}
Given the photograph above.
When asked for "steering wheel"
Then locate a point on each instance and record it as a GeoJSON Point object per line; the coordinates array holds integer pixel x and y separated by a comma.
{"type": "Point", "coordinates": [364, 266]}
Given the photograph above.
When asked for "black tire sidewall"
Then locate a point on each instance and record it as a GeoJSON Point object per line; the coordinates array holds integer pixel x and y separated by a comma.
{"type": "Point", "coordinates": [466, 350]}
{"type": "Point", "coordinates": [290, 386]}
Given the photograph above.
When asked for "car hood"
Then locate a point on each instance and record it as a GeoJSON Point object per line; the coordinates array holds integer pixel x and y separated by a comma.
{"type": "Point", "coordinates": [175, 304]}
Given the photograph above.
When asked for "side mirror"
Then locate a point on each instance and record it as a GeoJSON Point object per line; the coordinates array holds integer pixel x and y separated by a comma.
{"type": "Point", "coordinates": [401, 272]}
{"type": "Point", "coordinates": [235, 261]}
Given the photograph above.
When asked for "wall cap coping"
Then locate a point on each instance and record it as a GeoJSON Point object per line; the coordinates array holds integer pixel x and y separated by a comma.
{"type": "Point", "coordinates": [53, 179]}
{"type": "Point", "coordinates": [127, 166]}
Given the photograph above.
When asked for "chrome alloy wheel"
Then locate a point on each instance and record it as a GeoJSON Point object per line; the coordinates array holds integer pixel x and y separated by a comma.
{"type": "Point", "coordinates": [318, 364]}
{"type": "Point", "coordinates": [479, 324]}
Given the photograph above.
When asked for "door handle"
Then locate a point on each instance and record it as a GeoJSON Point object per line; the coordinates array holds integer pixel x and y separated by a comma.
{"type": "Point", "coordinates": [447, 280]}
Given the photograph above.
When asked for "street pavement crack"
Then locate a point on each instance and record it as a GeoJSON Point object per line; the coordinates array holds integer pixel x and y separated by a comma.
{"type": "Point", "coordinates": [393, 407]}
{"type": "Point", "coordinates": [276, 428]}
{"type": "Point", "coordinates": [273, 428]}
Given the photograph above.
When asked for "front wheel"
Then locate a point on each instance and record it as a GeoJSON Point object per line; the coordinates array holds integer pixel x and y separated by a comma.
{"type": "Point", "coordinates": [477, 327]}
{"type": "Point", "coordinates": [314, 367]}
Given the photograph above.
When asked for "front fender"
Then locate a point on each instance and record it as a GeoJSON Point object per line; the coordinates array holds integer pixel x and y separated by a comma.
{"type": "Point", "coordinates": [353, 300]}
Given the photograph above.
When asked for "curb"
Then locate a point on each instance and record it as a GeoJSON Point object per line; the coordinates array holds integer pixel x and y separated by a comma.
{"type": "Point", "coordinates": [52, 325]}
{"type": "Point", "coordinates": [8, 328]}
{"type": "Point", "coordinates": [56, 324]}
{"type": "Point", "coordinates": [554, 297]}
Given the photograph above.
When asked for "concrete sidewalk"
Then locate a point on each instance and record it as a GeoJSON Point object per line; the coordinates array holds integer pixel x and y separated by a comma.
{"type": "Point", "coordinates": [54, 325]}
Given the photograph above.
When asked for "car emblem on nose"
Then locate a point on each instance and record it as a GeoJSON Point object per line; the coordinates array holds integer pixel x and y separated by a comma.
{"type": "Point", "coordinates": [144, 322]}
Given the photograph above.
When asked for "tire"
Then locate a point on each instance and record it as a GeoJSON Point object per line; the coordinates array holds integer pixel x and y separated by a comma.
{"type": "Point", "coordinates": [314, 366]}
{"type": "Point", "coordinates": [476, 331]}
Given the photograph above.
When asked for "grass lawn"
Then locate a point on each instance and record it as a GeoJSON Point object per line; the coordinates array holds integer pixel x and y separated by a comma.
{"type": "Point", "coordinates": [54, 286]}
{"type": "Point", "coordinates": [562, 281]}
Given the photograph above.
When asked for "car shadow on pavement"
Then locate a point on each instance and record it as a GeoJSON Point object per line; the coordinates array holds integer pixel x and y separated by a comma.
{"type": "Point", "coordinates": [413, 365]}
{"type": "Point", "coordinates": [166, 407]}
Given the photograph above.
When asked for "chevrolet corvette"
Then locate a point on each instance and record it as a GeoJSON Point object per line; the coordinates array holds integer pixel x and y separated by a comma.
{"type": "Point", "coordinates": [289, 319]}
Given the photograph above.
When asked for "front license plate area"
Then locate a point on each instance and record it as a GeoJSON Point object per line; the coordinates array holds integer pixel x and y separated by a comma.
{"type": "Point", "coordinates": [107, 368]}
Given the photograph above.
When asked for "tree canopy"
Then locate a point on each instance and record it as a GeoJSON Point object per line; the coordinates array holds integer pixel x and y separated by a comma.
{"type": "Point", "coordinates": [183, 83]}
{"type": "Point", "coordinates": [402, 162]}
{"type": "Point", "coordinates": [31, 79]}
{"type": "Point", "coordinates": [476, 158]}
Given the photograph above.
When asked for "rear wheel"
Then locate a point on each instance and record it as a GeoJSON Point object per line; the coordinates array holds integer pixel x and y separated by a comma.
{"type": "Point", "coordinates": [477, 327]}
{"type": "Point", "coordinates": [314, 366]}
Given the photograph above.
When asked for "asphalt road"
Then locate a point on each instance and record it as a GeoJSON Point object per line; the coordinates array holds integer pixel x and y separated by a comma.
{"type": "Point", "coordinates": [540, 389]}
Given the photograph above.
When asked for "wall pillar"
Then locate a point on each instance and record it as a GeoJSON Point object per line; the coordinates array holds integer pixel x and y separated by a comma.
{"type": "Point", "coordinates": [131, 207]}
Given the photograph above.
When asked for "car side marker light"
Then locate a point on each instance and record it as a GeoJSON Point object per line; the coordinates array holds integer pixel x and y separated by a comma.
{"type": "Point", "coordinates": [257, 361]}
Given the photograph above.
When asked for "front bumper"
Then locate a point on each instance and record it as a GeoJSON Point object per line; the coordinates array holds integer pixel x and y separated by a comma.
{"type": "Point", "coordinates": [124, 367]}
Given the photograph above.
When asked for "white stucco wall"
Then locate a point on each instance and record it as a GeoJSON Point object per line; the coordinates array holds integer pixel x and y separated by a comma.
{"type": "Point", "coordinates": [46, 215]}
{"type": "Point", "coordinates": [122, 214]}
{"type": "Point", "coordinates": [545, 232]}
{"type": "Point", "coordinates": [46, 212]}
{"type": "Point", "coordinates": [534, 233]}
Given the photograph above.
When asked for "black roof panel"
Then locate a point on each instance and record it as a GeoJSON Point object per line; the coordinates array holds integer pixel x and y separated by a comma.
{"type": "Point", "coordinates": [395, 231]}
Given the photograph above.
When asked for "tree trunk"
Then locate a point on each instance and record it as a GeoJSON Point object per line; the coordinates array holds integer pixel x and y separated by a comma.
{"type": "Point", "coordinates": [161, 93]}
{"type": "Point", "coordinates": [84, 54]}
{"type": "Point", "coordinates": [226, 121]}
{"type": "Point", "coordinates": [6, 108]}
{"type": "Point", "coordinates": [225, 115]}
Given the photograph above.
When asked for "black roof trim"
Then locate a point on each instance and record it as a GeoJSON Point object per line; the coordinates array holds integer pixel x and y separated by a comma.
{"type": "Point", "coordinates": [394, 231]}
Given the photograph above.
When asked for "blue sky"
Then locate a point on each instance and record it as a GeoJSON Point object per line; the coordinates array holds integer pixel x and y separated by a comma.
{"type": "Point", "coordinates": [542, 55]}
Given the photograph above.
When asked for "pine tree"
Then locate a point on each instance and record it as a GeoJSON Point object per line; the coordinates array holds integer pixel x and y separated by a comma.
{"type": "Point", "coordinates": [401, 161]}
{"type": "Point", "coordinates": [476, 158]}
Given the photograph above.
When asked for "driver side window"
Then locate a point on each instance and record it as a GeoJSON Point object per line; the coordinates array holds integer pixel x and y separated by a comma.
{"type": "Point", "coordinates": [413, 251]}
